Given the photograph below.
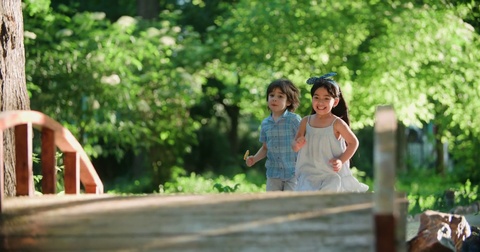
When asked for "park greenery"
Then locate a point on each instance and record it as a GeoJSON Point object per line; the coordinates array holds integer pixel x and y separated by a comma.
{"type": "Point", "coordinates": [170, 104]}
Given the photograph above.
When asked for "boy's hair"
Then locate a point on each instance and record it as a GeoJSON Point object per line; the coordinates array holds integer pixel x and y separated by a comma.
{"type": "Point", "coordinates": [341, 110]}
{"type": "Point", "coordinates": [289, 89]}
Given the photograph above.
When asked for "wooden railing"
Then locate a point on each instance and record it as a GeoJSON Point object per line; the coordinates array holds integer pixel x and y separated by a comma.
{"type": "Point", "coordinates": [78, 167]}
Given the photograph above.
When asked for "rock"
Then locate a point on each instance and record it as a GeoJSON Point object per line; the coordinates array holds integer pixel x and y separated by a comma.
{"type": "Point", "coordinates": [472, 208]}
{"type": "Point", "coordinates": [439, 232]}
{"type": "Point", "coordinates": [472, 243]}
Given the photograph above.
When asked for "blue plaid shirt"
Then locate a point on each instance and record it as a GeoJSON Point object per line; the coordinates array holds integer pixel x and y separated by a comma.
{"type": "Point", "coordinates": [278, 137]}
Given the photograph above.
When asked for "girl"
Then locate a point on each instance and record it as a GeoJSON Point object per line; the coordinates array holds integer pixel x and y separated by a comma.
{"type": "Point", "coordinates": [325, 142]}
{"type": "Point", "coordinates": [276, 134]}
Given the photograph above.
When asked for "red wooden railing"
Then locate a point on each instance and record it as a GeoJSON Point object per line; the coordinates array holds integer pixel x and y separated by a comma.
{"type": "Point", "coordinates": [78, 167]}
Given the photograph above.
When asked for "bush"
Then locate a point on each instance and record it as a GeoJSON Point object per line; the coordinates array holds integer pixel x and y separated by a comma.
{"type": "Point", "coordinates": [427, 191]}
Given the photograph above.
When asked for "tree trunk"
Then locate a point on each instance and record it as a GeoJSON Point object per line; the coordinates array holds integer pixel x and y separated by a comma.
{"type": "Point", "coordinates": [233, 112]}
{"type": "Point", "coordinates": [13, 87]}
{"type": "Point", "coordinates": [148, 9]}
{"type": "Point", "coordinates": [440, 162]}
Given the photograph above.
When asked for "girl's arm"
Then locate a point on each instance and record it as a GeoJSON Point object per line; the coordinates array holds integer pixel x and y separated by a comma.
{"type": "Point", "coordinates": [342, 129]}
{"type": "Point", "coordinates": [261, 154]}
{"type": "Point", "coordinates": [299, 140]}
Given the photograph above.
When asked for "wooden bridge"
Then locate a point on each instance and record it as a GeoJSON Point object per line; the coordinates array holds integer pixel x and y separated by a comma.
{"type": "Point", "coordinates": [273, 221]}
{"type": "Point", "coordinates": [276, 221]}
{"type": "Point", "coordinates": [78, 167]}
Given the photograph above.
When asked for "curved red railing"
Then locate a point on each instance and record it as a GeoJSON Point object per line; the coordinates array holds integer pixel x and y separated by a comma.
{"type": "Point", "coordinates": [78, 167]}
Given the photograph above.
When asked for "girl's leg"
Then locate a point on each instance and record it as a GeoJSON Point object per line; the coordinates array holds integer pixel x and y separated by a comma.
{"type": "Point", "coordinates": [331, 183]}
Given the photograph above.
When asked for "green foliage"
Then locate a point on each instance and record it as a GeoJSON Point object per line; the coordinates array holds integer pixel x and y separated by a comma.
{"type": "Point", "coordinates": [467, 193]}
{"type": "Point", "coordinates": [227, 189]}
{"type": "Point", "coordinates": [197, 184]}
{"type": "Point", "coordinates": [122, 94]}
{"type": "Point", "coordinates": [118, 87]}
{"type": "Point", "coordinates": [126, 185]}
{"type": "Point", "coordinates": [426, 191]}
{"type": "Point", "coordinates": [362, 177]}
{"type": "Point", "coordinates": [59, 167]}
{"type": "Point", "coordinates": [131, 89]}
{"type": "Point", "coordinates": [113, 10]}
{"type": "Point", "coordinates": [33, 7]}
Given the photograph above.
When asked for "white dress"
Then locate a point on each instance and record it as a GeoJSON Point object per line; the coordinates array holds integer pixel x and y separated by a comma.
{"type": "Point", "coordinates": [313, 170]}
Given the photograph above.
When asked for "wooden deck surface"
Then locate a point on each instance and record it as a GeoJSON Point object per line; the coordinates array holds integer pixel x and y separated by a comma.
{"type": "Point", "coordinates": [274, 221]}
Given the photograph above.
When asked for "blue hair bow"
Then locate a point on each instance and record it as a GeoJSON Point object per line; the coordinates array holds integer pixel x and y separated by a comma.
{"type": "Point", "coordinates": [326, 77]}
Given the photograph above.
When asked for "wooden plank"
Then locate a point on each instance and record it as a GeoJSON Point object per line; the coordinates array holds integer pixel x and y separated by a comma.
{"type": "Point", "coordinates": [49, 172]}
{"type": "Point", "coordinates": [23, 151]}
{"type": "Point", "coordinates": [277, 221]}
{"type": "Point", "coordinates": [401, 215]}
{"type": "Point", "coordinates": [71, 161]}
{"type": "Point", "coordinates": [88, 175]}
{"type": "Point", "coordinates": [93, 188]}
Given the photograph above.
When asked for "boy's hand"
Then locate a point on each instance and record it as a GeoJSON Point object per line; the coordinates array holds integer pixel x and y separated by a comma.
{"type": "Point", "coordinates": [250, 160]}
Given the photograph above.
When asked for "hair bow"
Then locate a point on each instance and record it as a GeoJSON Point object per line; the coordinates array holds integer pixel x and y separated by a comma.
{"type": "Point", "coordinates": [326, 77]}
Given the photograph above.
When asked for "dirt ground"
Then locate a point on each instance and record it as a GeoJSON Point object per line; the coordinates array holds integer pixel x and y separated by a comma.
{"type": "Point", "coordinates": [412, 226]}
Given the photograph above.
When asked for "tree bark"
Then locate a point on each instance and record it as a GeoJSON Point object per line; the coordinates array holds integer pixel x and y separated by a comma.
{"type": "Point", "coordinates": [440, 161]}
{"type": "Point", "coordinates": [13, 87]}
{"type": "Point", "coordinates": [148, 9]}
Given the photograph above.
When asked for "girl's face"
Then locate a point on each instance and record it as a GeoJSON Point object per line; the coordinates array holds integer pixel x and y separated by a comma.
{"type": "Point", "coordinates": [323, 102]}
{"type": "Point", "coordinates": [277, 101]}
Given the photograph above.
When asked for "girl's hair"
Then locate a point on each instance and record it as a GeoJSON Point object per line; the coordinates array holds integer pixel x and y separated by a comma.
{"type": "Point", "coordinates": [289, 89]}
{"type": "Point", "coordinates": [341, 110]}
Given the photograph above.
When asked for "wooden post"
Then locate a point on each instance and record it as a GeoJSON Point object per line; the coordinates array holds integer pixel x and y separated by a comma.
{"type": "Point", "coordinates": [94, 189]}
{"type": "Point", "coordinates": [384, 166]}
{"type": "Point", "coordinates": [24, 165]}
{"type": "Point", "coordinates": [71, 160]}
{"type": "Point", "coordinates": [49, 173]}
{"type": "Point", "coordinates": [2, 178]}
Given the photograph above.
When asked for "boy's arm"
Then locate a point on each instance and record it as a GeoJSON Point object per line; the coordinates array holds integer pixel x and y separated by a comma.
{"type": "Point", "coordinates": [261, 154]}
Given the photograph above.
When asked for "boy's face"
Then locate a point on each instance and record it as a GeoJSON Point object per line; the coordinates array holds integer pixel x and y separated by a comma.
{"type": "Point", "coordinates": [277, 101]}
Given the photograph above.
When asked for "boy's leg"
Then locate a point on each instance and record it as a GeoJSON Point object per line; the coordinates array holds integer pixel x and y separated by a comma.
{"type": "Point", "coordinates": [274, 184]}
{"type": "Point", "coordinates": [290, 184]}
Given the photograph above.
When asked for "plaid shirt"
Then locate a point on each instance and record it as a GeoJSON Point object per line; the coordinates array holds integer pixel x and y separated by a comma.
{"type": "Point", "coordinates": [278, 137]}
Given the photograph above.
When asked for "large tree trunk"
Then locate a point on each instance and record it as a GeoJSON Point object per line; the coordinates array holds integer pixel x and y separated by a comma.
{"type": "Point", "coordinates": [13, 87]}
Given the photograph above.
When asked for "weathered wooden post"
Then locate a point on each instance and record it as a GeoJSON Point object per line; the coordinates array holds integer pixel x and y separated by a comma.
{"type": "Point", "coordinates": [23, 159]}
{"type": "Point", "coordinates": [384, 168]}
{"type": "Point", "coordinates": [1, 172]}
{"type": "Point", "coordinates": [49, 161]}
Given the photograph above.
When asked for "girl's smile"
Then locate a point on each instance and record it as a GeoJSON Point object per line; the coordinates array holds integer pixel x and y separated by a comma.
{"type": "Point", "coordinates": [323, 102]}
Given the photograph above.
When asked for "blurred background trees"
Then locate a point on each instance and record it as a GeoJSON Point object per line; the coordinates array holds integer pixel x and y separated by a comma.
{"type": "Point", "coordinates": [153, 89]}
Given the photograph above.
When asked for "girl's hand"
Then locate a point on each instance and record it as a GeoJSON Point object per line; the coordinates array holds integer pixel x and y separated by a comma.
{"type": "Point", "coordinates": [250, 160]}
{"type": "Point", "coordinates": [336, 164]}
{"type": "Point", "coordinates": [298, 143]}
